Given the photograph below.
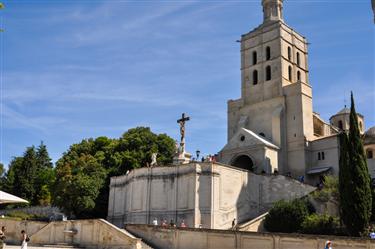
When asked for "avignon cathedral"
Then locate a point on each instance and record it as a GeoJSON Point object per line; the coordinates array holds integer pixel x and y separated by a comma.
{"type": "Point", "coordinates": [274, 138]}
{"type": "Point", "coordinates": [272, 126]}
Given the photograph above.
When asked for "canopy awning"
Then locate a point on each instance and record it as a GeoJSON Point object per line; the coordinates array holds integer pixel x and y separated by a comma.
{"type": "Point", "coordinates": [8, 198]}
{"type": "Point", "coordinates": [319, 170]}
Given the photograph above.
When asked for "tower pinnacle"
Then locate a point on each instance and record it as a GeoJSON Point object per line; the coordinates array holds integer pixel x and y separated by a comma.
{"type": "Point", "coordinates": [272, 10]}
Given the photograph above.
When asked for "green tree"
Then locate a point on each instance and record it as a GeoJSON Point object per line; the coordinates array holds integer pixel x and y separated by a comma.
{"type": "Point", "coordinates": [31, 175]}
{"type": "Point", "coordinates": [2, 169]}
{"type": "Point", "coordinates": [137, 145]}
{"type": "Point", "coordinates": [25, 176]}
{"type": "Point", "coordinates": [355, 191]}
{"type": "Point", "coordinates": [44, 177]}
{"type": "Point", "coordinates": [13, 166]}
{"type": "Point", "coordinates": [79, 182]}
{"type": "Point", "coordinates": [42, 156]}
{"type": "Point", "coordinates": [373, 204]}
{"type": "Point", "coordinates": [345, 182]}
{"type": "Point", "coordinates": [114, 157]}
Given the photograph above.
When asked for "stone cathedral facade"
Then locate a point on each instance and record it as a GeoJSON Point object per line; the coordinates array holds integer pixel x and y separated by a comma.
{"type": "Point", "coordinates": [272, 126]}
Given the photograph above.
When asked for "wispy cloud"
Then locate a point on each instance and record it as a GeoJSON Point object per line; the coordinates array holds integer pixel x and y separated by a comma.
{"type": "Point", "coordinates": [83, 70]}
{"type": "Point", "coordinates": [16, 120]}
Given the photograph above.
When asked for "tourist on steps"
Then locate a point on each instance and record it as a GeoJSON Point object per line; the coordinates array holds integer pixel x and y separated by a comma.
{"type": "Point", "coordinates": [234, 224]}
{"type": "Point", "coordinates": [155, 222]}
{"type": "Point", "coordinates": [183, 223]}
{"type": "Point", "coordinates": [328, 245]}
{"type": "Point", "coordinates": [2, 237]}
{"type": "Point", "coordinates": [24, 239]}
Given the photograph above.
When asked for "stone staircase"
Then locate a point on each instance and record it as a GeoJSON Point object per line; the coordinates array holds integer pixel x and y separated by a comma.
{"type": "Point", "coordinates": [144, 245]}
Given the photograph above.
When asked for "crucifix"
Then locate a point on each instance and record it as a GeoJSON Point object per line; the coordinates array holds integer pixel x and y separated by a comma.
{"type": "Point", "coordinates": [182, 121]}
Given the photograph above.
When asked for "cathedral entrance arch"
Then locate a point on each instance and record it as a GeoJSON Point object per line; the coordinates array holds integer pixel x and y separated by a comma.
{"type": "Point", "coordinates": [243, 162]}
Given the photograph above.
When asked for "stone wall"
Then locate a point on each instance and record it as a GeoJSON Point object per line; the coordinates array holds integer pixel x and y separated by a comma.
{"type": "Point", "coordinates": [161, 192]}
{"type": "Point", "coordinates": [14, 228]}
{"type": "Point", "coordinates": [87, 233]}
{"type": "Point", "coordinates": [95, 234]}
{"type": "Point", "coordinates": [182, 238]}
{"type": "Point", "coordinates": [206, 194]}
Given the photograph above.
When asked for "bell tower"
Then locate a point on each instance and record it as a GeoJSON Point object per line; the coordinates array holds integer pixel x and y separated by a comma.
{"type": "Point", "coordinates": [272, 10]}
{"type": "Point", "coordinates": [276, 95]}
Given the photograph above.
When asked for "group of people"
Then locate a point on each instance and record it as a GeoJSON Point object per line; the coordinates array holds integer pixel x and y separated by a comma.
{"type": "Point", "coordinates": [164, 223]}
{"type": "Point", "coordinates": [24, 238]}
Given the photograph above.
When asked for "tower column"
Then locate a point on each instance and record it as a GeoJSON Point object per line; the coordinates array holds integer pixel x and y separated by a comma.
{"type": "Point", "coordinates": [272, 10]}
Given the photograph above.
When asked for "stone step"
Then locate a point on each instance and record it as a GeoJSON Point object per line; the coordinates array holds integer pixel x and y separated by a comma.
{"type": "Point", "coordinates": [146, 246]}
{"type": "Point", "coordinates": [43, 247]}
{"type": "Point", "coordinates": [61, 245]}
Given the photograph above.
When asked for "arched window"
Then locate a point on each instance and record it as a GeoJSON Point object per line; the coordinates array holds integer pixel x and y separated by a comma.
{"type": "Point", "coordinates": [268, 53]}
{"type": "Point", "coordinates": [341, 126]}
{"type": "Point", "coordinates": [268, 73]}
{"type": "Point", "coordinates": [323, 156]}
{"type": "Point", "coordinates": [255, 77]}
{"type": "Point", "coordinates": [255, 58]}
{"type": "Point", "coordinates": [369, 154]}
{"type": "Point", "coordinates": [319, 158]}
{"type": "Point", "coordinates": [298, 59]}
{"type": "Point", "coordinates": [290, 73]}
{"type": "Point", "coordinates": [298, 75]}
{"type": "Point", "coordinates": [289, 53]}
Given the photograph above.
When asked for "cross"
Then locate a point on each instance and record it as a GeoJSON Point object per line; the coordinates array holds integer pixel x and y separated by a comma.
{"type": "Point", "coordinates": [182, 121]}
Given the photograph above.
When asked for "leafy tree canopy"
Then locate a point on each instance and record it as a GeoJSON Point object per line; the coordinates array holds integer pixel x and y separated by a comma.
{"type": "Point", "coordinates": [105, 157]}
{"type": "Point", "coordinates": [31, 175]}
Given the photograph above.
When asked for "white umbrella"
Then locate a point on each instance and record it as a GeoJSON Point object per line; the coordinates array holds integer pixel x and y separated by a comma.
{"type": "Point", "coordinates": [8, 198]}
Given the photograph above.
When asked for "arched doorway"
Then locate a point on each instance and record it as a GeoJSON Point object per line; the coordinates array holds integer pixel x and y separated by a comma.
{"type": "Point", "coordinates": [243, 162]}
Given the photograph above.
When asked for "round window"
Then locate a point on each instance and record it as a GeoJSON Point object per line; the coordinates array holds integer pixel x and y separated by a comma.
{"type": "Point", "coordinates": [242, 138]}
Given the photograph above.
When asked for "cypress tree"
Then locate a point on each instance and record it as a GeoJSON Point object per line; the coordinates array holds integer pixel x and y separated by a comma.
{"type": "Point", "coordinates": [356, 196]}
{"type": "Point", "coordinates": [345, 181]}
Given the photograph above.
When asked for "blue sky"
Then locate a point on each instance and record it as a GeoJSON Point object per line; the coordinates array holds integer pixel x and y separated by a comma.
{"type": "Point", "coordinates": [80, 69]}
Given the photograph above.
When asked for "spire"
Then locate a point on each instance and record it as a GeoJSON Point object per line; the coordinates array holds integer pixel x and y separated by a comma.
{"type": "Point", "coordinates": [272, 10]}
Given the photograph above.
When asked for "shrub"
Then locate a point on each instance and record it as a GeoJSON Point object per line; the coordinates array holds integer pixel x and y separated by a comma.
{"type": "Point", "coordinates": [21, 215]}
{"type": "Point", "coordinates": [330, 190]}
{"type": "Point", "coordinates": [320, 224]}
{"type": "Point", "coordinates": [286, 216]}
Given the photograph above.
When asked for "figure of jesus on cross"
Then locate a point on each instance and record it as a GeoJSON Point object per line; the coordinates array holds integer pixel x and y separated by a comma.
{"type": "Point", "coordinates": [182, 121]}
